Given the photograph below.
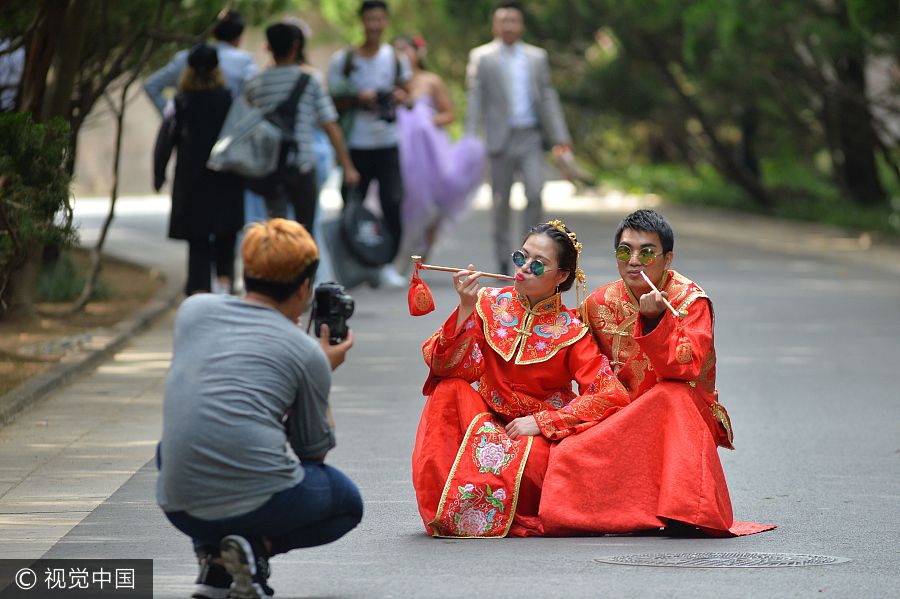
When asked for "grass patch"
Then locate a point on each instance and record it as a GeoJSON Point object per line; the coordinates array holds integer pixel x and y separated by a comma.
{"type": "Point", "coordinates": [800, 194]}
{"type": "Point", "coordinates": [61, 280]}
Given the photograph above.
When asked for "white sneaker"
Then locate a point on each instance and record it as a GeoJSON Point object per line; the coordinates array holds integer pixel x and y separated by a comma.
{"type": "Point", "coordinates": [392, 279]}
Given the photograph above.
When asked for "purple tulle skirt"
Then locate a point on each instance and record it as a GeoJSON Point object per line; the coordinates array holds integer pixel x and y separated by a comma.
{"type": "Point", "coordinates": [440, 178]}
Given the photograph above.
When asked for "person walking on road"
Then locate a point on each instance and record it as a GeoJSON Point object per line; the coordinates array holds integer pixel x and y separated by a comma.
{"type": "Point", "coordinates": [297, 185]}
{"type": "Point", "coordinates": [367, 82]}
{"type": "Point", "coordinates": [440, 177]}
{"type": "Point", "coordinates": [237, 65]}
{"type": "Point", "coordinates": [240, 367]}
{"type": "Point", "coordinates": [511, 97]}
{"type": "Point", "coordinates": [207, 206]}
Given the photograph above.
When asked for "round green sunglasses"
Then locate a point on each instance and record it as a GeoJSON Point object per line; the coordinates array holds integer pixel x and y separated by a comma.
{"type": "Point", "coordinates": [646, 255]}
{"type": "Point", "coordinates": [536, 267]}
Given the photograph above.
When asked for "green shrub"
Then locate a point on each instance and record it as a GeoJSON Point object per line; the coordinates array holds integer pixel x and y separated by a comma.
{"type": "Point", "coordinates": [34, 195]}
{"type": "Point", "coordinates": [61, 280]}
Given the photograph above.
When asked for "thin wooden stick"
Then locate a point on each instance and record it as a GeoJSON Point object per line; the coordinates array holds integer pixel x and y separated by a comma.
{"type": "Point", "coordinates": [675, 312]}
{"type": "Point", "coordinates": [417, 260]}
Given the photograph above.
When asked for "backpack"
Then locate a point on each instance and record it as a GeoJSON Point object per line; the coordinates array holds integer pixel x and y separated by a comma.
{"type": "Point", "coordinates": [365, 233]}
{"type": "Point", "coordinates": [257, 145]}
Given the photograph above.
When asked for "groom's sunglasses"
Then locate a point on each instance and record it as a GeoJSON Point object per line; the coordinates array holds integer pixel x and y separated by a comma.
{"type": "Point", "coordinates": [645, 256]}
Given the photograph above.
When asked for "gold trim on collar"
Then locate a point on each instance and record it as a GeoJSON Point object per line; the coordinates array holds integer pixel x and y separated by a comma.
{"type": "Point", "coordinates": [549, 304]}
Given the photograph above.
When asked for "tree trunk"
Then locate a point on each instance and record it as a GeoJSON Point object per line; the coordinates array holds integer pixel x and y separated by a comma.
{"type": "Point", "coordinates": [66, 61]}
{"type": "Point", "coordinates": [18, 296]}
{"type": "Point", "coordinates": [854, 143]}
{"type": "Point", "coordinates": [41, 46]}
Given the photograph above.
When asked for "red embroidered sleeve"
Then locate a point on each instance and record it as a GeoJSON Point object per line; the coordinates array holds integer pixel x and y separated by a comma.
{"type": "Point", "coordinates": [677, 348]}
{"type": "Point", "coordinates": [601, 394]}
{"type": "Point", "coordinates": [454, 353]}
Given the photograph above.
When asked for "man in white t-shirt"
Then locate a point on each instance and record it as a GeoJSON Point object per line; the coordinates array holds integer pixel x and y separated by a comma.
{"type": "Point", "coordinates": [369, 81]}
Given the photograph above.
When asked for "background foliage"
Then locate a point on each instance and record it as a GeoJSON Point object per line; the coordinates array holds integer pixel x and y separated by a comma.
{"type": "Point", "coordinates": [786, 107]}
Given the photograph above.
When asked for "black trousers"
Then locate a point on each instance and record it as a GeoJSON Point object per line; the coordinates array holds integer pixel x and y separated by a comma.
{"type": "Point", "coordinates": [202, 252]}
{"type": "Point", "coordinates": [382, 165]}
{"type": "Point", "coordinates": [299, 190]}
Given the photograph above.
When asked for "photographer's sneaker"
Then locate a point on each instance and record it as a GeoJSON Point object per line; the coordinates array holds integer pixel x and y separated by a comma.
{"type": "Point", "coordinates": [392, 279]}
{"type": "Point", "coordinates": [213, 581]}
{"type": "Point", "coordinates": [248, 566]}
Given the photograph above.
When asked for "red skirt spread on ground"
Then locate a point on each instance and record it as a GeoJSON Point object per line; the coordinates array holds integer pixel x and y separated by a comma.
{"type": "Point", "coordinates": [645, 467]}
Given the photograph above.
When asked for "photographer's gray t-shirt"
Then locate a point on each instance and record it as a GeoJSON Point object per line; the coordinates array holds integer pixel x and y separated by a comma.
{"type": "Point", "coordinates": [237, 368]}
{"type": "Point", "coordinates": [379, 73]}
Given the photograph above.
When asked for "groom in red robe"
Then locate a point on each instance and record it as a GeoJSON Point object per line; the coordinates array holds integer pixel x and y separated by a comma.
{"type": "Point", "coordinates": [656, 463]}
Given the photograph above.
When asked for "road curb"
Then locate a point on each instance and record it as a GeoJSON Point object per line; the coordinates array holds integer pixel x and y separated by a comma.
{"type": "Point", "coordinates": [104, 342]}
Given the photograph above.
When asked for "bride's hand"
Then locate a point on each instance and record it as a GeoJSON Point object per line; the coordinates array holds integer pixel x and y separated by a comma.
{"type": "Point", "coordinates": [466, 284]}
{"type": "Point", "coordinates": [526, 426]}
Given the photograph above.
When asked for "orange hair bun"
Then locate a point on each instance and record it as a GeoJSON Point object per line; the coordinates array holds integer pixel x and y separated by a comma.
{"type": "Point", "coordinates": [277, 250]}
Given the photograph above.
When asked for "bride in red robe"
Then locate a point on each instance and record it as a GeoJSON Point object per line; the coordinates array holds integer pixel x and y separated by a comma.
{"type": "Point", "coordinates": [481, 455]}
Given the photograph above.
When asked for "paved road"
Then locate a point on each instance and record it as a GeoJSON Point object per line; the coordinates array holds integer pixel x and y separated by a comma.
{"type": "Point", "coordinates": [807, 336]}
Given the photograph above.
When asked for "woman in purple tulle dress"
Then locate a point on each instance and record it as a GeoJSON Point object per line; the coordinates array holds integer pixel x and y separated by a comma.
{"type": "Point", "coordinates": [440, 177]}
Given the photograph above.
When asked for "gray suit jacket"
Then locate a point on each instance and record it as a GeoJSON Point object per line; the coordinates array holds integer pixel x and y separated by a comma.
{"type": "Point", "coordinates": [488, 101]}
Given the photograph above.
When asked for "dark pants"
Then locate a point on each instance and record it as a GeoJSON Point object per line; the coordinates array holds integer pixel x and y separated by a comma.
{"type": "Point", "coordinates": [201, 254]}
{"type": "Point", "coordinates": [301, 191]}
{"type": "Point", "coordinates": [383, 165]}
{"type": "Point", "coordinates": [325, 506]}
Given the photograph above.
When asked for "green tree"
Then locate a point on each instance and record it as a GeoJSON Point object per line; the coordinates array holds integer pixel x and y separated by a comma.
{"type": "Point", "coordinates": [34, 193]}
{"type": "Point", "coordinates": [737, 84]}
{"type": "Point", "coordinates": [78, 52]}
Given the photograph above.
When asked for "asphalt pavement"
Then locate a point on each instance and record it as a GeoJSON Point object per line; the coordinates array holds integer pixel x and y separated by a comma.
{"type": "Point", "coordinates": [807, 335]}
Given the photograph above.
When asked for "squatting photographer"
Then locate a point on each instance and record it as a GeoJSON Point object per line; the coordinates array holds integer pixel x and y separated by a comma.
{"type": "Point", "coordinates": [239, 366]}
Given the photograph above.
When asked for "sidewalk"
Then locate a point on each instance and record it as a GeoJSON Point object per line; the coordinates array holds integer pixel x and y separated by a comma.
{"type": "Point", "coordinates": [67, 455]}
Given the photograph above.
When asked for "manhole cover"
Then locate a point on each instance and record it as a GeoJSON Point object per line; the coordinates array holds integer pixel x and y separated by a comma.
{"type": "Point", "coordinates": [722, 560]}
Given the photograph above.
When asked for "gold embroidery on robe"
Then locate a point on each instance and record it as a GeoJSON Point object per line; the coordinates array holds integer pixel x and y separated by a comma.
{"type": "Point", "coordinates": [531, 334]}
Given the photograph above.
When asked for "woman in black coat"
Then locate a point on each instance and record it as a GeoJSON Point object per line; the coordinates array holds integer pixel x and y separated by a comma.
{"type": "Point", "coordinates": [207, 207]}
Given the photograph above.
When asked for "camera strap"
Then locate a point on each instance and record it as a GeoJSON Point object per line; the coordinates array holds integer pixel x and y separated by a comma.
{"type": "Point", "coordinates": [348, 64]}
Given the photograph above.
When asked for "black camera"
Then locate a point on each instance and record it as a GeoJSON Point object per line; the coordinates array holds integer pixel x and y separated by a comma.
{"type": "Point", "coordinates": [332, 306]}
{"type": "Point", "coordinates": [385, 109]}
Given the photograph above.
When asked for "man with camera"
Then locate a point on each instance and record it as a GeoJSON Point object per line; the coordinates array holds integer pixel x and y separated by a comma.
{"type": "Point", "coordinates": [245, 382]}
{"type": "Point", "coordinates": [366, 83]}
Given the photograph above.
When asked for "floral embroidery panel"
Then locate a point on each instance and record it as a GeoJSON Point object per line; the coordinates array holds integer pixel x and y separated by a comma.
{"type": "Point", "coordinates": [479, 498]}
{"type": "Point", "coordinates": [493, 449]}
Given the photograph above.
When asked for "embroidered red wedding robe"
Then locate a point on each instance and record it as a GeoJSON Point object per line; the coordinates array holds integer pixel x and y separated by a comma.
{"type": "Point", "coordinates": [471, 479]}
{"type": "Point", "coordinates": [657, 460]}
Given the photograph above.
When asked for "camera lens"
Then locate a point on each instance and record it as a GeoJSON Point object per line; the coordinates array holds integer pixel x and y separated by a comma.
{"type": "Point", "coordinates": [347, 306]}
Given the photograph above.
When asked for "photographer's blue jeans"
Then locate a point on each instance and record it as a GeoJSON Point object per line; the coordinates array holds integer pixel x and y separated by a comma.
{"type": "Point", "coordinates": [325, 506]}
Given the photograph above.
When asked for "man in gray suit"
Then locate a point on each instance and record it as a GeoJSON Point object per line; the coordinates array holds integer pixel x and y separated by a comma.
{"type": "Point", "coordinates": [511, 96]}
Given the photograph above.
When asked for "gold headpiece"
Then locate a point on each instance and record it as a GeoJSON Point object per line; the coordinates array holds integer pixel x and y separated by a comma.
{"type": "Point", "coordinates": [581, 280]}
